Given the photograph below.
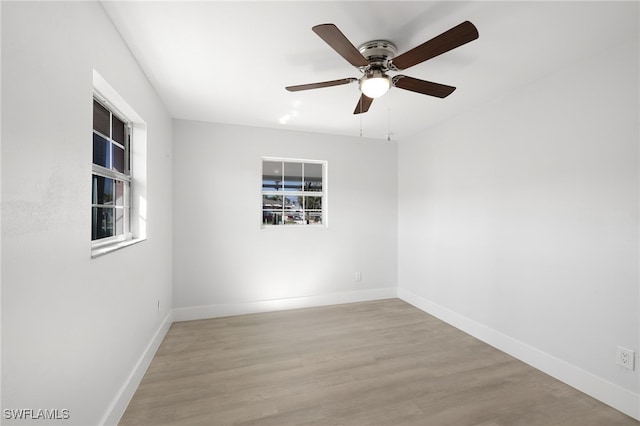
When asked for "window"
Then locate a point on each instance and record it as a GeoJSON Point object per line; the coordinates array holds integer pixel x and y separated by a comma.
{"type": "Point", "coordinates": [119, 171]}
{"type": "Point", "coordinates": [293, 192]}
{"type": "Point", "coordinates": [111, 176]}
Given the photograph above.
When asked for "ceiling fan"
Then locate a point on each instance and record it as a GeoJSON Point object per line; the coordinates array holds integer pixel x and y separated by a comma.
{"type": "Point", "coordinates": [375, 58]}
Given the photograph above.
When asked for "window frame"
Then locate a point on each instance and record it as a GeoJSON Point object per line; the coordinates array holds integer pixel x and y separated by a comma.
{"type": "Point", "coordinates": [115, 175]}
{"type": "Point", "coordinates": [323, 194]}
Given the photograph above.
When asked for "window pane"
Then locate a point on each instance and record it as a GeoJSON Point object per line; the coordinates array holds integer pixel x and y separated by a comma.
{"type": "Point", "coordinates": [293, 176]}
{"type": "Point", "coordinates": [119, 221]}
{"type": "Point", "coordinates": [101, 154]}
{"type": "Point", "coordinates": [272, 202]}
{"type": "Point", "coordinates": [293, 214]}
{"type": "Point", "coordinates": [118, 158]}
{"type": "Point", "coordinates": [312, 177]}
{"type": "Point", "coordinates": [102, 190]}
{"type": "Point", "coordinates": [271, 217]}
{"type": "Point", "coordinates": [314, 218]}
{"type": "Point", "coordinates": [294, 218]}
{"type": "Point", "coordinates": [313, 203]}
{"type": "Point", "coordinates": [100, 118]}
{"type": "Point", "coordinates": [119, 193]}
{"type": "Point", "coordinates": [271, 175]}
{"type": "Point", "coordinates": [102, 223]}
{"type": "Point", "coordinates": [293, 202]}
{"type": "Point", "coordinates": [117, 133]}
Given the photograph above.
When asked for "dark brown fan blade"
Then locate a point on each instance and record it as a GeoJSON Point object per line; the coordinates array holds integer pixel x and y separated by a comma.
{"type": "Point", "coordinates": [422, 86]}
{"type": "Point", "coordinates": [334, 38]}
{"type": "Point", "coordinates": [363, 104]}
{"type": "Point", "coordinates": [448, 40]}
{"type": "Point", "coordinates": [320, 85]}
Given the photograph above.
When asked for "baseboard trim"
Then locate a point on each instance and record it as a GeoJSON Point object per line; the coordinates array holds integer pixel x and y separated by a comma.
{"type": "Point", "coordinates": [121, 401]}
{"type": "Point", "coordinates": [225, 310]}
{"type": "Point", "coordinates": [609, 393]}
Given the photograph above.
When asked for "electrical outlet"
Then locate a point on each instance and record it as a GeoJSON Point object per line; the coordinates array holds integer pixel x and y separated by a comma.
{"type": "Point", "coordinates": [358, 276]}
{"type": "Point", "coordinates": [625, 357]}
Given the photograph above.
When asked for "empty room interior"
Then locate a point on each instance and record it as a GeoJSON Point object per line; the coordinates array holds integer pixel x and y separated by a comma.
{"type": "Point", "coordinates": [343, 213]}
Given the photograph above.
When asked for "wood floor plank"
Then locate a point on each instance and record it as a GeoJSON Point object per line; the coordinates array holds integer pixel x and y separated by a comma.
{"type": "Point", "coordinates": [372, 363]}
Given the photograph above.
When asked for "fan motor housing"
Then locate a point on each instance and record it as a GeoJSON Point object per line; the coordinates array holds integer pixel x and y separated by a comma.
{"type": "Point", "coordinates": [378, 53]}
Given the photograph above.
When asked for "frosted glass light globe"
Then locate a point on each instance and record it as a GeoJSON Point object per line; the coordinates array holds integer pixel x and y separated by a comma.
{"type": "Point", "coordinates": [375, 85]}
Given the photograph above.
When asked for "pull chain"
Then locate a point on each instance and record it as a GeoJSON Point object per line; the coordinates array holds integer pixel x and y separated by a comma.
{"type": "Point", "coordinates": [389, 124]}
{"type": "Point", "coordinates": [360, 114]}
{"type": "Point", "coordinates": [388, 118]}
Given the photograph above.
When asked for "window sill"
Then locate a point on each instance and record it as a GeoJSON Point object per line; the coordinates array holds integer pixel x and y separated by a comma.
{"type": "Point", "coordinates": [102, 250]}
{"type": "Point", "coordinates": [293, 227]}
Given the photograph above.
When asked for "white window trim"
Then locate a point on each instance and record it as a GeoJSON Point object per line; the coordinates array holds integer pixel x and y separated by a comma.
{"type": "Point", "coordinates": [324, 194]}
{"type": "Point", "coordinates": [137, 166]}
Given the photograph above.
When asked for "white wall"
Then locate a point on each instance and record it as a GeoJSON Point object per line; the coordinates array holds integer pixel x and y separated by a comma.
{"type": "Point", "coordinates": [519, 222]}
{"type": "Point", "coordinates": [73, 328]}
{"type": "Point", "coordinates": [225, 263]}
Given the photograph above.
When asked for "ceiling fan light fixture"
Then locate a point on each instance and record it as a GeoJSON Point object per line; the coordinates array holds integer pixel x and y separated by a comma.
{"type": "Point", "coordinates": [374, 84]}
{"type": "Point", "coordinates": [374, 58]}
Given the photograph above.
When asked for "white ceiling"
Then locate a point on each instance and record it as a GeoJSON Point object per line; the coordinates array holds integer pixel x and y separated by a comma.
{"type": "Point", "coordinates": [230, 61]}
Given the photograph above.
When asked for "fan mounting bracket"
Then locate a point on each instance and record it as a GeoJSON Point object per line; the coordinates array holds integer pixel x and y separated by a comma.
{"type": "Point", "coordinates": [379, 53]}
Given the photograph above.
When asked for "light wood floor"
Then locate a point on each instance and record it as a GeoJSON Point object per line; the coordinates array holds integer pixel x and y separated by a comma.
{"type": "Point", "coordinates": [372, 363]}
